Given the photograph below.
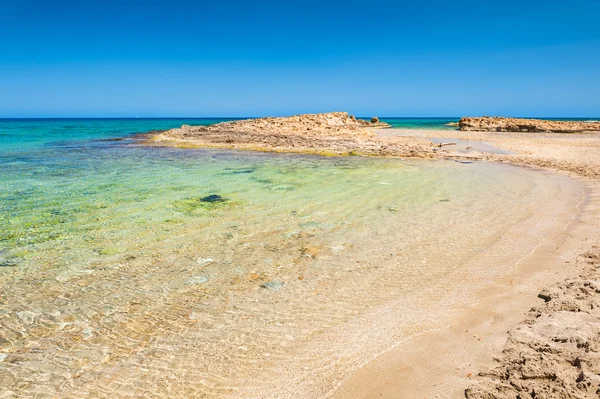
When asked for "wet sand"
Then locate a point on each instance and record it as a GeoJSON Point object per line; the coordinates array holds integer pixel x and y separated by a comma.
{"type": "Point", "coordinates": [571, 152]}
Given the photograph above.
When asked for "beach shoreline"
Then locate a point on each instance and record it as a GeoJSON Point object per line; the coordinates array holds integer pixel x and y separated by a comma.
{"type": "Point", "coordinates": [411, 371]}
{"type": "Point", "coordinates": [444, 363]}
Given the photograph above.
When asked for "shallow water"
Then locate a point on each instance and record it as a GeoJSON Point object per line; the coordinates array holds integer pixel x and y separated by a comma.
{"type": "Point", "coordinates": [120, 278]}
{"type": "Point", "coordinates": [466, 146]}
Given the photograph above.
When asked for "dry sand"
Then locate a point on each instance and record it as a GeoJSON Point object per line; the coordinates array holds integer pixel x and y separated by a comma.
{"type": "Point", "coordinates": [511, 344]}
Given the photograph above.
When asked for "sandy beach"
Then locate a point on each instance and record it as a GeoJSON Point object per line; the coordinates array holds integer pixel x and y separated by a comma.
{"type": "Point", "coordinates": [538, 335]}
{"type": "Point", "coordinates": [533, 333]}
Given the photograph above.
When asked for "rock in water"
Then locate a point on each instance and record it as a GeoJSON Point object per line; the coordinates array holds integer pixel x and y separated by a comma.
{"type": "Point", "coordinates": [212, 198]}
{"type": "Point", "coordinates": [374, 119]}
{"type": "Point", "coordinates": [196, 280]}
{"type": "Point", "coordinates": [204, 261]}
{"type": "Point", "coordinates": [272, 285]}
{"type": "Point", "coordinates": [7, 263]}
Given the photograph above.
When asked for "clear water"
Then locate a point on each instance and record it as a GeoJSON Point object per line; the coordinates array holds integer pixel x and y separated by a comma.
{"type": "Point", "coordinates": [118, 280]}
{"type": "Point", "coordinates": [420, 123]}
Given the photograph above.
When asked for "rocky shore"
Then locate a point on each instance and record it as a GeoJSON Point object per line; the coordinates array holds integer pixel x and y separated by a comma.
{"type": "Point", "coordinates": [500, 124]}
{"type": "Point", "coordinates": [555, 353]}
{"type": "Point", "coordinates": [334, 133]}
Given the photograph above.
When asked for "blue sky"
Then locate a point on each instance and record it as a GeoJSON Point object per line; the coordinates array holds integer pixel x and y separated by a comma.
{"type": "Point", "coordinates": [249, 58]}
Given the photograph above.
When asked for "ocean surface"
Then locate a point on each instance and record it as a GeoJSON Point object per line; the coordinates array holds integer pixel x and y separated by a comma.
{"type": "Point", "coordinates": [132, 271]}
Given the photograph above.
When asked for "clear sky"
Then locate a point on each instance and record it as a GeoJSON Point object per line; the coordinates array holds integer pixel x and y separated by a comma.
{"type": "Point", "coordinates": [251, 58]}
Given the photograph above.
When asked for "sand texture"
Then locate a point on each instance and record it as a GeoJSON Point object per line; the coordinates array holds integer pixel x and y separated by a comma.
{"type": "Point", "coordinates": [555, 353]}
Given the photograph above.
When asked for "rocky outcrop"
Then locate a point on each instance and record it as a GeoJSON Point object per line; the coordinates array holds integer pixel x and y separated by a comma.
{"type": "Point", "coordinates": [334, 133]}
{"type": "Point", "coordinates": [556, 352]}
{"type": "Point", "coordinates": [500, 124]}
{"type": "Point", "coordinates": [329, 124]}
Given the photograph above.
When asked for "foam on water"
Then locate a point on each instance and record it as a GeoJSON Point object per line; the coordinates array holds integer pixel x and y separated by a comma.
{"type": "Point", "coordinates": [126, 276]}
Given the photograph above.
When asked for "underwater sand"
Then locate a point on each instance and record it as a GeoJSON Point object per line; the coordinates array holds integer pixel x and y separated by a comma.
{"type": "Point", "coordinates": [119, 281]}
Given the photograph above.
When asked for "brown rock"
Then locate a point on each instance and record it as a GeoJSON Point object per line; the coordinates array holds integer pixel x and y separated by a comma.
{"type": "Point", "coordinates": [334, 133]}
{"type": "Point", "coordinates": [500, 124]}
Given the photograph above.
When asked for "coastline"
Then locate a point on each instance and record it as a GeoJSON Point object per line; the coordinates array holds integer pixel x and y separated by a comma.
{"type": "Point", "coordinates": [406, 371]}
{"type": "Point", "coordinates": [453, 363]}
{"type": "Point", "coordinates": [444, 363]}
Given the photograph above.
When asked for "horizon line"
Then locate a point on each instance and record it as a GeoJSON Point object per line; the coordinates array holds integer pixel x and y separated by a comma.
{"type": "Point", "coordinates": [280, 116]}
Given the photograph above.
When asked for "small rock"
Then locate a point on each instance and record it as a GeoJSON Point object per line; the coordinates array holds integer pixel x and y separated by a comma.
{"type": "Point", "coordinates": [272, 285]}
{"type": "Point", "coordinates": [212, 198]}
{"type": "Point", "coordinates": [374, 119]}
{"type": "Point", "coordinates": [196, 280]}
{"type": "Point", "coordinates": [545, 295]}
{"type": "Point", "coordinates": [309, 251]}
{"type": "Point", "coordinates": [7, 263]}
{"type": "Point", "coordinates": [256, 277]}
{"type": "Point", "coordinates": [204, 261]}
{"type": "Point", "coordinates": [26, 316]}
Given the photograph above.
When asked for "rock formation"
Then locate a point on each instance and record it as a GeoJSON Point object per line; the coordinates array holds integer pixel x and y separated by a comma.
{"type": "Point", "coordinates": [334, 133]}
{"type": "Point", "coordinates": [331, 124]}
{"type": "Point", "coordinates": [500, 124]}
{"type": "Point", "coordinates": [555, 353]}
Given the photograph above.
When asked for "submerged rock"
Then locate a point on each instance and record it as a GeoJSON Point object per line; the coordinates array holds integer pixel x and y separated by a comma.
{"type": "Point", "coordinates": [213, 198]}
{"type": "Point", "coordinates": [208, 203]}
{"type": "Point", "coordinates": [204, 261]}
{"type": "Point", "coordinates": [7, 263]}
{"type": "Point", "coordinates": [237, 171]}
{"type": "Point", "coordinates": [196, 280]}
{"type": "Point", "coordinates": [272, 285]}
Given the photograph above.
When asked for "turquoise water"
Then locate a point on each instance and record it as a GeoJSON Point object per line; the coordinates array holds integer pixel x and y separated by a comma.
{"type": "Point", "coordinates": [420, 123]}
{"type": "Point", "coordinates": [119, 278]}
{"type": "Point", "coordinates": [24, 135]}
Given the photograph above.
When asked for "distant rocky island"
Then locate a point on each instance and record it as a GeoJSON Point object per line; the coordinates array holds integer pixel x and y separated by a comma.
{"type": "Point", "coordinates": [338, 124]}
{"type": "Point", "coordinates": [500, 124]}
{"type": "Point", "coordinates": [333, 133]}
